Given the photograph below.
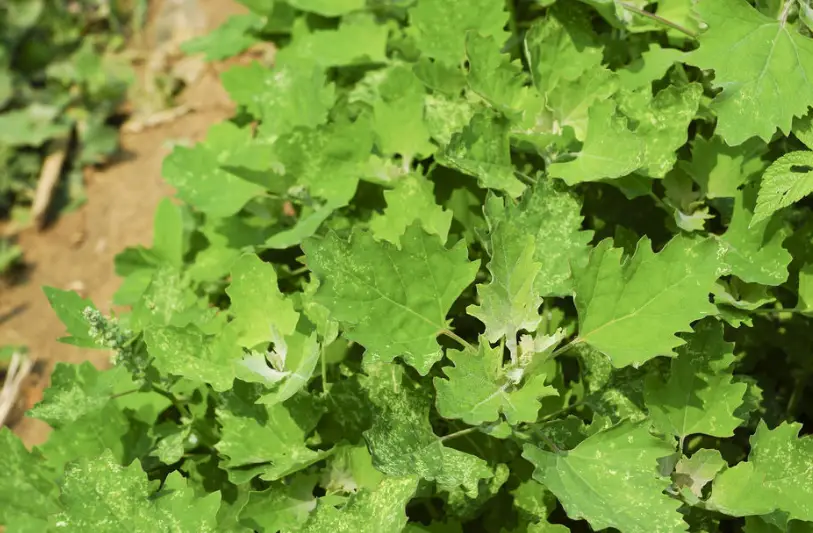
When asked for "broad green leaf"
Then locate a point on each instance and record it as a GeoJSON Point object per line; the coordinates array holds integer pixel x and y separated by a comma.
{"type": "Point", "coordinates": [762, 64]}
{"type": "Point", "coordinates": [281, 507]}
{"type": "Point", "coordinates": [77, 390]}
{"type": "Point", "coordinates": [720, 169]}
{"type": "Point", "coordinates": [776, 477]}
{"type": "Point", "coordinates": [699, 395]}
{"type": "Point", "coordinates": [510, 302]}
{"type": "Point", "coordinates": [651, 66]}
{"type": "Point", "coordinates": [553, 216]}
{"type": "Point", "coordinates": [363, 280]}
{"type": "Point", "coordinates": [261, 313]}
{"type": "Point", "coordinates": [168, 243]}
{"type": "Point", "coordinates": [99, 495]}
{"type": "Point", "coordinates": [479, 388]}
{"type": "Point", "coordinates": [441, 26]}
{"type": "Point", "coordinates": [27, 491]}
{"type": "Point", "coordinates": [630, 310]}
{"type": "Point", "coordinates": [785, 182]}
{"type": "Point", "coordinates": [754, 250]}
{"type": "Point", "coordinates": [615, 12]}
{"type": "Point", "coordinates": [284, 97]}
{"type": "Point", "coordinates": [190, 353]}
{"type": "Point", "coordinates": [571, 105]}
{"type": "Point", "coordinates": [328, 8]}
{"type": "Point", "coordinates": [398, 116]}
{"type": "Point", "coordinates": [356, 40]}
{"type": "Point", "coordinates": [561, 47]}
{"type": "Point", "coordinates": [681, 12]}
{"type": "Point", "coordinates": [402, 441]}
{"type": "Point", "coordinates": [611, 480]}
{"type": "Point", "coordinates": [610, 149]}
{"type": "Point", "coordinates": [492, 75]}
{"type": "Point", "coordinates": [482, 150]}
{"type": "Point", "coordinates": [412, 199]}
{"type": "Point", "coordinates": [381, 510]}
{"type": "Point", "coordinates": [304, 228]}
{"type": "Point", "coordinates": [70, 307]}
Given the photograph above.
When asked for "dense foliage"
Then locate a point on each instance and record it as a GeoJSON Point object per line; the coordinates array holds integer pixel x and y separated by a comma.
{"type": "Point", "coordinates": [60, 81]}
{"type": "Point", "coordinates": [461, 266]}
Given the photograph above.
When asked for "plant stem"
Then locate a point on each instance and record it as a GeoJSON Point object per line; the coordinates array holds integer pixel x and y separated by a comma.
{"type": "Point", "coordinates": [783, 17]}
{"type": "Point", "coordinates": [459, 433]}
{"type": "Point", "coordinates": [458, 339]}
{"type": "Point", "coordinates": [658, 19]}
{"type": "Point", "coordinates": [562, 411]}
{"type": "Point", "coordinates": [552, 445]}
{"type": "Point", "coordinates": [559, 351]}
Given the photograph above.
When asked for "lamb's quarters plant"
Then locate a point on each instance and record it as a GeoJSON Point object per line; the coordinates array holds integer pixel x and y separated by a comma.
{"type": "Point", "coordinates": [523, 267]}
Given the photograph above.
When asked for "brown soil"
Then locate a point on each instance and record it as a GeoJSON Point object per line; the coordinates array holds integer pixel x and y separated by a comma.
{"type": "Point", "coordinates": [77, 251]}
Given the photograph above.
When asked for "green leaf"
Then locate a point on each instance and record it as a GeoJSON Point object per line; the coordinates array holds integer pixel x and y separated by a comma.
{"type": "Point", "coordinates": [401, 440]}
{"type": "Point", "coordinates": [493, 76]}
{"type": "Point", "coordinates": [697, 471]}
{"type": "Point", "coordinates": [77, 390]}
{"type": "Point", "coordinates": [651, 66]}
{"type": "Point", "coordinates": [571, 104]}
{"type": "Point", "coordinates": [99, 495]}
{"type": "Point", "coordinates": [70, 307]}
{"type": "Point", "coordinates": [282, 507]}
{"type": "Point", "coordinates": [357, 40]}
{"type": "Point", "coordinates": [611, 480]}
{"type": "Point", "coordinates": [777, 476]}
{"type": "Point", "coordinates": [482, 150]}
{"type": "Point", "coordinates": [189, 353]}
{"type": "Point", "coordinates": [284, 97]}
{"type": "Point", "coordinates": [754, 250]}
{"type": "Point", "coordinates": [479, 388]}
{"type": "Point", "coordinates": [553, 216]}
{"type": "Point", "coordinates": [363, 280]}
{"type": "Point", "coordinates": [441, 26]}
{"type": "Point", "coordinates": [699, 395]}
{"type": "Point", "coordinates": [762, 64]}
{"type": "Point", "coordinates": [381, 510]}
{"type": "Point", "coordinates": [28, 491]}
{"type": "Point", "coordinates": [411, 200]}
{"type": "Point", "coordinates": [720, 169]}
{"type": "Point", "coordinates": [229, 39]}
{"type": "Point", "coordinates": [610, 150]}
{"type": "Point", "coordinates": [785, 182]}
{"type": "Point", "coordinates": [398, 116]}
{"type": "Point", "coordinates": [261, 313]}
{"type": "Point", "coordinates": [169, 242]}
{"type": "Point", "coordinates": [630, 310]}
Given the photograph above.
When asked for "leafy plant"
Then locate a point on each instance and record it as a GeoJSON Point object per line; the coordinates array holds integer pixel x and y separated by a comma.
{"type": "Point", "coordinates": [461, 266]}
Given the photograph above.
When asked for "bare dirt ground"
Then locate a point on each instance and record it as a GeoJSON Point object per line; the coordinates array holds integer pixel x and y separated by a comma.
{"type": "Point", "coordinates": [77, 251]}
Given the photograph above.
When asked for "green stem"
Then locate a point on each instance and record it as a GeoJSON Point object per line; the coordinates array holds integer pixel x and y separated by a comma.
{"type": "Point", "coordinates": [459, 433]}
{"type": "Point", "coordinates": [458, 339]}
{"type": "Point", "coordinates": [660, 20]}
{"type": "Point", "coordinates": [564, 349]}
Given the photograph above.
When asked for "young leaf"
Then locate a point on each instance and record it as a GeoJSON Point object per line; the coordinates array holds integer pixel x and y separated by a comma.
{"type": "Point", "coordinates": [762, 64]}
{"type": "Point", "coordinates": [479, 388]}
{"type": "Point", "coordinates": [261, 313]}
{"type": "Point", "coordinates": [493, 76]}
{"type": "Point", "coordinates": [611, 480]}
{"type": "Point", "coordinates": [398, 116]}
{"type": "Point", "coordinates": [70, 307]}
{"type": "Point", "coordinates": [699, 395]}
{"type": "Point", "coordinates": [777, 476]}
{"type": "Point", "coordinates": [631, 310]}
{"type": "Point", "coordinates": [363, 280]}
{"type": "Point", "coordinates": [785, 182]}
{"type": "Point", "coordinates": [697, 471]}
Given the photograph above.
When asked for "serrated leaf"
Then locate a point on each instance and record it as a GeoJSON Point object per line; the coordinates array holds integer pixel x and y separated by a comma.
{"type": "Point", "coordinates": [697, 471]}
{"type": "Point", "coordinates": [482, 150]}
{"type": "Point", "coordinates": [630, 310]}
{"type": "Point", "coordinates": [720, 169]}
{"type": "Point", "coordinates": [402, 441]}
{"type": "Point", "coordinates": [357, 40]}
{"type": "Point", "coordinates": [411, 200]}
{"type": "Point", "coordinates": [699, 395]}
{"type": "Point", "coordinates": [398, 116]}
{"type": "Point", "coordinates": [785, 182]}
{"type": "Point", "coordinates": [651, 66]}
{"type": "Point", "coordinates": [441, 26]}
{"type": "Point", "coordinates": [493, 76]}
{"type": "Point", "coordinates": [363, 280]}
{"type": "Point", "coordinates": [70, 307]}
{"type": "Point", "coordinates": [762, 64]}
{"type": "Point", "coordinates": [610, 149]}
{"type": "Point", "coordinates": [571, 105]}
{"type": "Point", "coordinates": [281, 507]}
{"type": "Point", "coordinates": [754, 249]}
{"type": "Point", "coordinates": [777, 476]}
{"type": "Point", "coordinates": [99, 495]}
{"type": "Point", "coordinates": [261, 312]}
{"type": "Point", "coordinates": [381, 510]}
{"type": "Point", "coordinates": [478, 389]}
{"type": "Point", "coordinates": [28, 491]}
{"type": "Point", "coordinates": [611, 480]}
{"type": "Point", "coordinates": [190, 353]}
